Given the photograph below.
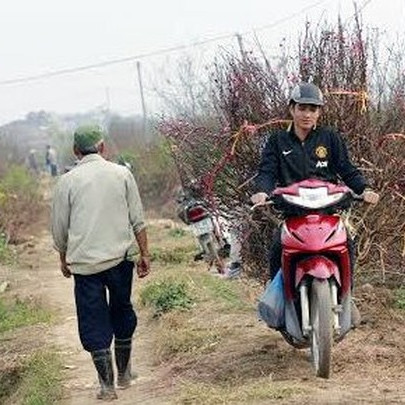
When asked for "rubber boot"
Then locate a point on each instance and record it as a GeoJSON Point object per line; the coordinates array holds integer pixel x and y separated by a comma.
{"type": "Point", "coordinates": [103, 362]}
{"type": "Point", "coordinates": [122, 349]}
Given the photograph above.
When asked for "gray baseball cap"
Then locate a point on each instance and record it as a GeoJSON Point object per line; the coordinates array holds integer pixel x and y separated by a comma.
{"type": "Point", "coordinates": [306, 93]}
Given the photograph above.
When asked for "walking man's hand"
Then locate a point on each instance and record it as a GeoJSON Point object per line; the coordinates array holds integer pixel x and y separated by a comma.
{"type": "Point", "coordinates": [64, 268]}
{"type": "Point", "coordinates": [143, 266]}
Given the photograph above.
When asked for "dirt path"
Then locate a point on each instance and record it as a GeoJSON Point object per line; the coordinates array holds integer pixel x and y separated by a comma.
{"type": "Point", "coordinates": [39, 276]}
{"type": "Point", "coordinates": [368, 366]}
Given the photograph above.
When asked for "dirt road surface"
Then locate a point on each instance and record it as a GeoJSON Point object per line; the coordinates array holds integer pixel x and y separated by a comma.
{"type": "Point", "coordinates": [39, 277]}
{"type": "Point", "coordinates": [368, 366]}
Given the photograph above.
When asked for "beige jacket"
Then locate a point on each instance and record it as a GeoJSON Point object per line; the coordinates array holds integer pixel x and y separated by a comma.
{"type": "Point", "coordinates": [95, 213]}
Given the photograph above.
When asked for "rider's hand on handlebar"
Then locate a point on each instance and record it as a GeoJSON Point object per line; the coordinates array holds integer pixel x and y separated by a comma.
{"type": "Point", "coordinates": [371, 197]}
{"type": "Point", "coordinates": [259, 198]}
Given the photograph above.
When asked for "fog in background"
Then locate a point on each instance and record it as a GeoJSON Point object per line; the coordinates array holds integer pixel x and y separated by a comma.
{"type": "Point", "coordinates": [45, 37]}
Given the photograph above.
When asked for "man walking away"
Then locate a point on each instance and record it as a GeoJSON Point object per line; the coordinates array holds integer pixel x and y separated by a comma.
{"type": "Point", "coordinates": [97, 215]}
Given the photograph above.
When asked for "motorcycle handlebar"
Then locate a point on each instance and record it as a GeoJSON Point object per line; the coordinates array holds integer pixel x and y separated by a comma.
{"type": "Point", "coordinates": [269, 200]}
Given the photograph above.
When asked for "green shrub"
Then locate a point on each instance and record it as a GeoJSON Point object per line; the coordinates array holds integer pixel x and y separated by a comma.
{"type": "Point", "coordinates": [164, 296]}
{"type": "Point", "coordinates": [18, 180]}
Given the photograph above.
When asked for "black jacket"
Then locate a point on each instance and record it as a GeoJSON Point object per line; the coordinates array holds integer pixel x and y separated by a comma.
{"type": "Point", "coordinates": [323, 155]}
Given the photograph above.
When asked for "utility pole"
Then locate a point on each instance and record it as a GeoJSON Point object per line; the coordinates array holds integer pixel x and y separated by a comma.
{"type": "Point", "coordinates": [107, 108]}
{"type": "Point", "coordinates": [107, 119]}
{"type": "Point", "coordinates": [138, 67]}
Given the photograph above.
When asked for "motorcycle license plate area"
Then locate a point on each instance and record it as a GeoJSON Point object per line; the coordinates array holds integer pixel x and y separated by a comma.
{"type": "Point", "coordinates": [201, 227]}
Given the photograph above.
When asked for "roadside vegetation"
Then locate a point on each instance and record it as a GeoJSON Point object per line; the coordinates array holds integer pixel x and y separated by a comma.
{"type": "Point", "coordinates": [28, 374]}
{"type": "Point", "coordinates": [164, 296]}
{"type": "Point", "coordinates": [19, 313]}
{"type": "Point", "coordinates": [20, 204]}
{"type": "Point", "coordinates": [40, 380]}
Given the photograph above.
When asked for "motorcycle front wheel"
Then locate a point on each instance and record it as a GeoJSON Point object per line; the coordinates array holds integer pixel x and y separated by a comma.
{"type": "Point", "coordinates": [321, 323]}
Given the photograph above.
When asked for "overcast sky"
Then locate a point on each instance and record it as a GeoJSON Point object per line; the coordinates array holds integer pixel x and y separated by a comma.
{"type": "Point", "coordinates": [48, 35]}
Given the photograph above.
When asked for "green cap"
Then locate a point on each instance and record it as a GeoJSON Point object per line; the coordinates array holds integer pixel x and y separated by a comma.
{"type": "Point", "coordinates": [88, 136]}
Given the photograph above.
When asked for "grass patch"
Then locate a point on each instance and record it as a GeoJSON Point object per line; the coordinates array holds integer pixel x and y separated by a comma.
{"type": "Point", "coordinates": [21, 313]}
{"type": "Point", "coordinates": [175, 255]}
{"type": "Point", "coordinates": [400, 298]}
{"type": "Point", "coordinates": [35, 381]}
{"type": "Point", "coordinates": [236, 393]}
{"type": "Point", "coordinates": [166, 295]}
{"type": "Point", "coordinates": [177, 233]}
{"type": "Point", "coordinates": [41, 380]}
{"type": "Point", "coordinates": [222, 290]}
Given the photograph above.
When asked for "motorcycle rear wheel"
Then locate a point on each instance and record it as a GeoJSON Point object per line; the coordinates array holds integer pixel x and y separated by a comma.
{"type": "Point", "coordinates": [321, 323]}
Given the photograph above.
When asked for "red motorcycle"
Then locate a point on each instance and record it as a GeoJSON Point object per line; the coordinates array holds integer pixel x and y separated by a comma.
{"type": "Point", "coordinates": [206, 229]}
{"type": "Point", "coordinates": [315, 268]}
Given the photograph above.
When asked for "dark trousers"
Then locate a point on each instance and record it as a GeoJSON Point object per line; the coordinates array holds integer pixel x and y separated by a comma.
{"type": "Point", "coordinates": [276, 249]}
{"type": "Point", "coordinates": [101, 318]}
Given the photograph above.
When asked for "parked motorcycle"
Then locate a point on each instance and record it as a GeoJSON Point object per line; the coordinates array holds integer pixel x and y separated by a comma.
{"type": "Point", "coordinates": [316, 273]}
{"type": "Point", "coordinates": [206, 229]}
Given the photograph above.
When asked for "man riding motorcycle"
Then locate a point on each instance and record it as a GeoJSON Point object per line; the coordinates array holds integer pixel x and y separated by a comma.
{"type": "Point", "coordinates": [305, 151]}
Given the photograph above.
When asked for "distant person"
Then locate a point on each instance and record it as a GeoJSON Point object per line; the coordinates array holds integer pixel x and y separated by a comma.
{"type": "Point", "coordinates": [51, 161]}
{"type": "Point", "coordinates": [96, 216]}
{"type": "Point", "coordinates": [32, 162]}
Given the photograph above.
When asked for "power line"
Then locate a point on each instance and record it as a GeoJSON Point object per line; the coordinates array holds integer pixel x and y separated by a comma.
{"type": "Point", "coordinates": [163, 51]}
{"type": "Point", "coordinates": [358, 10]}
{"type": "Point", "coordinates": [290, 17]}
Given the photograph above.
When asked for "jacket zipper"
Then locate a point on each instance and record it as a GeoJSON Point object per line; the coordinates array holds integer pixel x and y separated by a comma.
{"type": "Point", "coordinates": [306, 171]}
